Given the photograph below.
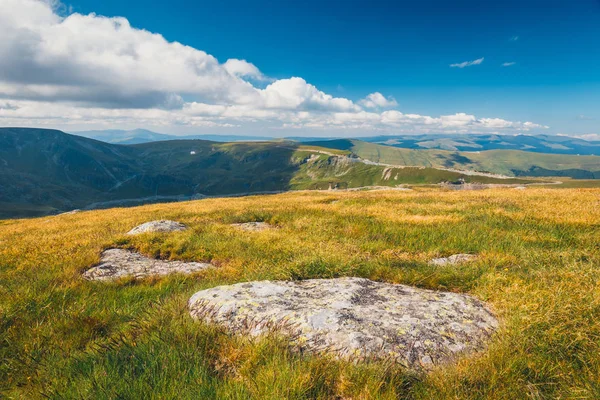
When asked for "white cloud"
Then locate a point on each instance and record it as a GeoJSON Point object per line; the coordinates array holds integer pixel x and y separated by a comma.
{"type": "Point", "coordinates": [94, 71]}
{"type": "Point", "coordinates": [514, 38]}
{"type": "Point", "coordinates": [296, 93]}
{"type": "Point", "coordinates": [508, 64]}
{"type": "Point", "coordinates": [468, 63]}
{"type": "Point", "coordinates": [243, 69]}
{"type": "Point", "coordinates": [375, 100]}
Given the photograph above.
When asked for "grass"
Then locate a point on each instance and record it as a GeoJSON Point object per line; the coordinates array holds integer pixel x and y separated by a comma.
{"type": "Point", "coordinates": [63, 337]}
{"type": "Point", "coordinates": [505, 162]}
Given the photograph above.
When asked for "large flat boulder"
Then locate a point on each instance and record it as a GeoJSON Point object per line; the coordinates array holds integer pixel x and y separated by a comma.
{"type": "Point", "coordinates": [119, 263]}
{"type": "Point", "coordinates": [353, 318]}
{"type": "Point", "coordinates": [158, 226]}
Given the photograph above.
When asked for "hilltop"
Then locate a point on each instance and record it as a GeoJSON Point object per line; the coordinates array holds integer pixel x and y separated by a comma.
{"type": "Point", "coordinates": [62, 336]}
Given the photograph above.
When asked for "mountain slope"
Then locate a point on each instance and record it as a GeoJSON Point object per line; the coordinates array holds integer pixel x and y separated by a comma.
{"type": "Point", "coordinates": [47, 171]}
{"type": "Point", "coordinates": [504, 162]}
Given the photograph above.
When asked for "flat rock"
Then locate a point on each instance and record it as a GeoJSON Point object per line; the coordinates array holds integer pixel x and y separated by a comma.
{"type": "Point", "coordinates": [118, 263]}
{"type": "Point", "coordinates": [455, 259]}
{"type": "Point", "coordinates": [158, 226]}
{"type": "Point", "coordinates": [253, 226]}
{"type": "Point", "coordinates": [353, 318]}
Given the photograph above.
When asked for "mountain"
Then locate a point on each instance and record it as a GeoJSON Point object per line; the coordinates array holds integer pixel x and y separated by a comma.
{"type": "Point", "coordinates": [472, 142]}
{"type": "Point", "coordinates": [49, 171]}
{"type": "Point", "coordinates": [116, 136]}
{"type": "Point", "coordinates": [504, 162]}
{"type": "Point", "coordinates": [138, 136]}
{"type": "Point", "coordinates": [455, 142]}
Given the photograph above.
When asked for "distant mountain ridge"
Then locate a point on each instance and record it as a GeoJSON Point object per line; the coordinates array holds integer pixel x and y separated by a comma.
{"type": "Point", "coordinates": [139, 136]}
{"type": "Point", "coordinates": [452, 142]}
{"type": "Point", "coordinates": [476, 142]}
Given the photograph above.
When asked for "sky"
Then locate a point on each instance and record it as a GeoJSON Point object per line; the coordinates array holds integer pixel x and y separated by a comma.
{"type": "Point", "coordinates": [302, 68]}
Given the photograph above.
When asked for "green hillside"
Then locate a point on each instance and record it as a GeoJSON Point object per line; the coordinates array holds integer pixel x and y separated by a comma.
{"type": "Point", "coordinates": [505, 162]}
{"type": "Point", "coordinates": [47, 171]}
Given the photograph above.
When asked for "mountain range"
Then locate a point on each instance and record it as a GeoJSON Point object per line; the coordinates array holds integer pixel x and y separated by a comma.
{"type": "Point", "coordinates": [138, 136]}
{"type": "Point", "coordinates": [548, 144]}
{"type": "Point", "coordinates": [49, 171]}
{"type": "Point", "coordinates": [477, 142]}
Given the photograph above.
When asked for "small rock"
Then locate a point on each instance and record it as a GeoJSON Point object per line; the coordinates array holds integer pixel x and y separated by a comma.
{"type": "Point", "coordinates": [520, 188]}
{"type": "Point", "coordinates": [158, 226]}
{"type": "Point", "coordinates": [118, 263]}
{"type": "Point", "coordinates": [253, 226]}
{"type": "Point", "coordinates": [71, 212]}
{"type": "Point", "coordinates": [453, 260]}
{"type": "Point", "coordinates": [353, 318]}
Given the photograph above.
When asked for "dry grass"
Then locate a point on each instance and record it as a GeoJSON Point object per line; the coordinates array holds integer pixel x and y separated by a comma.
{"type": "Point", "coordinates": [63, 337]}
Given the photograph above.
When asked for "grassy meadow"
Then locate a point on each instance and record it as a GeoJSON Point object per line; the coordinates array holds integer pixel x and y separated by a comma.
{"type": "Point", "coordinates": [505, 162]}
{"type": "Point", "coordinates": [539, 269]}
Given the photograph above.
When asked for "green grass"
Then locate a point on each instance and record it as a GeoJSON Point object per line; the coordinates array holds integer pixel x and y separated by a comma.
{"type": "Point", "coordinates": [505, 162]}
{"type": "Point", "coordinates": [63, 337]}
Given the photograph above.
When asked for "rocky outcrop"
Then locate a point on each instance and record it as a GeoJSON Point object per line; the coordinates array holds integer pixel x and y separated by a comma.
{"type": "Point", "coordinates": [158, 226]}
{"type": "Point", "coordinates": [353, 318]}
{"type": "Point", "coordinates": [455, 259]}
{"type": "Point", "coordinates": [119, 263]}
{"type": "Point", "coordinates": [253, 226]}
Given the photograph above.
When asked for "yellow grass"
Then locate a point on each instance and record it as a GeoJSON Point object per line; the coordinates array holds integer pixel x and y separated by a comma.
{"type": "Point", "coordinates": [539, 269]}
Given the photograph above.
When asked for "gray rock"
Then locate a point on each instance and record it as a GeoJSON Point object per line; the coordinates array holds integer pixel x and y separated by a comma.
{"type": "Point", "coordinates": [158, 226]}
{"type": "Point", "coordinates": [253, 226]}
{"type": "Point", "coordinates": [353, 318]}
{"type": "Point", "coordinates": [118, 263]}
{"type": "Point", "coordinates": [70, 212]}
{"type": "Point", "coordinates": [453, 260]}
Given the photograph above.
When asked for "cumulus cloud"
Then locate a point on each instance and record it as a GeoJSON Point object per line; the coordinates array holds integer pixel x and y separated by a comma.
{"type": "Point", "coordinates": [61, 70]}
{"type": "Point", "coordinates": [375, 100]}
{"type": "Point", "coordinates": [468, 63]}
{"type": "Point", "coordinates": [243, 69]}
{"type": "Point", "coordinates": [296, 94]}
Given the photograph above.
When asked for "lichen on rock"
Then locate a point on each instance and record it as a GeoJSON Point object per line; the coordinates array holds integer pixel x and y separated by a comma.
{"type": "Point", "coordinates": [158, 226]}
{"type": "Point", "coordinates": [353, 318]}
{"type": "Point", "coordinates": [455, 259]}
{"type": "Point", "coordinates": [119, 263]}
{"type": "Point", "coordinates": [253, 226]}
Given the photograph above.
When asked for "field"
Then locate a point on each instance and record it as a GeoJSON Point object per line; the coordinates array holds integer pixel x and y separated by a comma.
{"type": "Point", "coordinates": [63, 337]}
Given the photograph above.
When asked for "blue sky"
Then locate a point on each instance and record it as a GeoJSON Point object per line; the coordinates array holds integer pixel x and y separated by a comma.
{"type": "Point", "coordinates": [539, 63]}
